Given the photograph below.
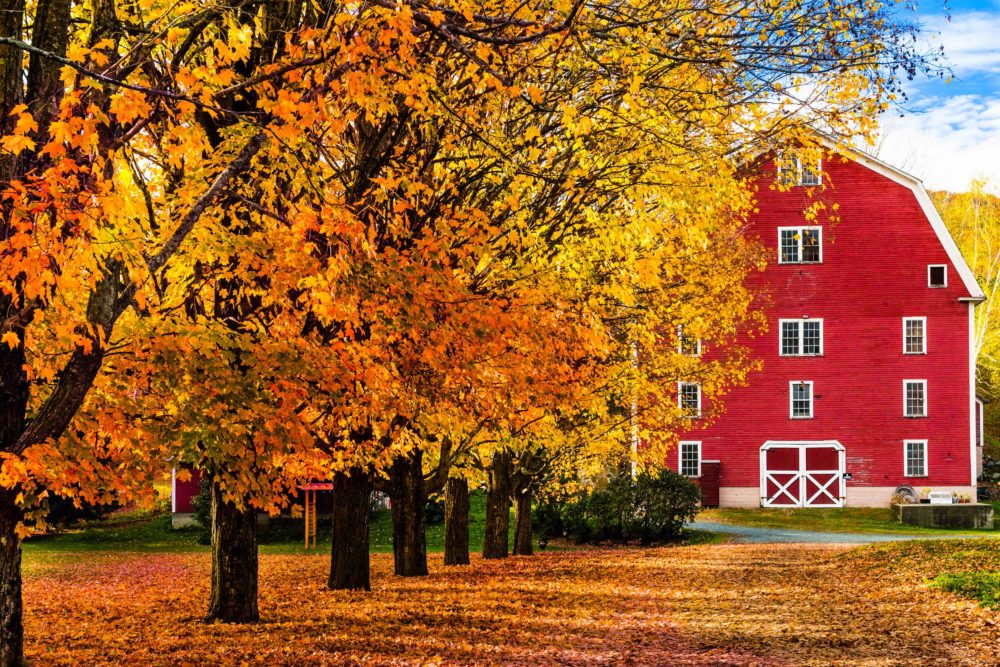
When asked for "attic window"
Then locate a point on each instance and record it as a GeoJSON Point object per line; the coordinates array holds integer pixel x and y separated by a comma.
{"type": "Point", "coordinates": [937, 275]}
{"type": "Point", "coordinates": [796, 171]}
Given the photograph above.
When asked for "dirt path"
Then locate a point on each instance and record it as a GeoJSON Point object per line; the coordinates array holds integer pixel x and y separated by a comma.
{"type": "Point", "coordinates": [732, 604]}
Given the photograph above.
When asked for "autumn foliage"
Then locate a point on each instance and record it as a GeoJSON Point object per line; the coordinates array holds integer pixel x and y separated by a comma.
{"type": "Point", "coordinates": [282, 241]}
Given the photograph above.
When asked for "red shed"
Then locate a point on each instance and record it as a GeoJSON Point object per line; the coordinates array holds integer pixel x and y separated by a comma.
{"type": "Point", "coordinates": [181, 494]}
{"type": "Point", "coordinates": [868, 373]}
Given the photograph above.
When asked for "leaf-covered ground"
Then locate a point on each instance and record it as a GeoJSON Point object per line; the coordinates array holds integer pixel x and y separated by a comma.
{"type": "Point", "coordinates": [725, 604]}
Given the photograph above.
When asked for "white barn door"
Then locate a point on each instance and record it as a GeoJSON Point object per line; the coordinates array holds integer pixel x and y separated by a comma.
{"type": "Point", "coordinates": [802, 474]}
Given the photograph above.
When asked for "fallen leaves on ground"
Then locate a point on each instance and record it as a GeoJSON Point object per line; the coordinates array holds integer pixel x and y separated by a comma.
{"type": "Point", "coordinates": [726, 604]}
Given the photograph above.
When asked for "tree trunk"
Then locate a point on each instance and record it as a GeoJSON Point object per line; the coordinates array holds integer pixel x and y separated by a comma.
{"type": "Point", "coordinates": [496, 537]}
{"type": "Point", "coordinates": [522, 523]}
{"type": "Point", "coordinates": [406, 493]}
{"type": "Point", "coordinates": [234, 562]}
{"type": "Point", "coordinates": [11, 626]}
{"type": "Point", "coordinates": [349, 562]}
{"type": "Point", "coordinates": [456, 522]}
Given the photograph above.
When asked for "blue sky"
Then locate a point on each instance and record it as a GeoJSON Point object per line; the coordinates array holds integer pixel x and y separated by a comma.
{"type": "Point", "coordinates": [952, 132]}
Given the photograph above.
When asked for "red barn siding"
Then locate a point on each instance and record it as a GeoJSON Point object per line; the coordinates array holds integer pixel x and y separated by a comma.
{"type": "Point", "coordinates": [873, 273]}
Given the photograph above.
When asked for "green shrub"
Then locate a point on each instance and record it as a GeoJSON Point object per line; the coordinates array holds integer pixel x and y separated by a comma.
{"type": "Point", "coordinates": [434, 512]}
{"type": "Point", "coordinates": [202, 504]}
{"type": "Point", "coordinates": [646, 509]}
{"type": "Point", "coordinates": [981, 586]}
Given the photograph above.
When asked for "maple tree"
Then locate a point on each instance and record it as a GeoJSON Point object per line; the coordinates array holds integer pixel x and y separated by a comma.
{"type": "Point", "coordinates": [287, 239]}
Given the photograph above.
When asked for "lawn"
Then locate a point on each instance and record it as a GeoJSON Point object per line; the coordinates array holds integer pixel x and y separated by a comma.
{"type": "Point", "coordinates": [838, 520]}
{"type": "Point", "coordinates": [720, 604]}
{"type": "Point", "coordinates": [151, 532]}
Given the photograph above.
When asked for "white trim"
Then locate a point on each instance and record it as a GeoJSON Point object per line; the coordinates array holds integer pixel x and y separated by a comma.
{"type": "Point", "coordinates": [923, 340]}
{"type": "Point", "coordinates": [680, 338]}
{"type": "Point", "coordinates": [680, 404]}
{"type": "Point", "coordinates": [822, 335]}
{"type": "Point", "coordinates": [972, 398]}
{"type": "Point", "coordinates": [801, 228]}
{"type": "Point", "coordinates": [791, 399]}
{"type": "Point", "coordinates": [803, 475]}
{"type": "Point", "coordinates": [926, 399]}
{"type": "Point", "coordinates": [937, 266]}
{"type": "Point", "coordinates": [926, 206]}
{"type": "Point", "coordinates": [680, 456]}
{"type": "Point", "coordinates": [173, 490]}
{"type": "Point", "coordinates": [906, 473]}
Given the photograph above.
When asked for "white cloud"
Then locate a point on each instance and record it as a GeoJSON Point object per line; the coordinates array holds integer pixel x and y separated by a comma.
{"type": "Point", "coordinates": [952, 142]}
{"type": "Point", "coordinates": [971, 42]}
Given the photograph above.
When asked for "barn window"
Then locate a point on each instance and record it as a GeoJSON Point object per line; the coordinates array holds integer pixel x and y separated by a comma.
{"type": "Point", "coordinates": [914, 398]}
{"type": "Point", "coordinates": [690, 459]}
{"type": "Point", "coordinates": [801, 338]}
{"type": "Point", "coordinates": [914, 335]}
{"type": "Point", "coordinates": [915, 458]}
{"type": "Point", "coordinates": [797, 172]}
{"type": "Point", "coordinates": [686, 344]}
{"type": "Point", "coordinates": [801, 399]}
{"type": "Point", "coordinates": [689, 398]}
{"type": "Point", "coordinates": [937, 275]}
{"type": "Point", "coordinates": [800, 245]}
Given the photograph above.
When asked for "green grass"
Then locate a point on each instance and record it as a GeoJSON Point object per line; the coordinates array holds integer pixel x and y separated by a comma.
{"type": "Point", "coordinates": [837, 520]}
{"type": "Point", "coordinates": [145, 534]}
{"type": "Point", "coordinates": [151, 532]}
{"type": "Point", "coordinates": [981, 586]}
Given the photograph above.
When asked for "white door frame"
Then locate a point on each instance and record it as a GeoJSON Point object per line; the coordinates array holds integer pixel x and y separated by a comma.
{"type": "Point", "coordinates": [795, 488]}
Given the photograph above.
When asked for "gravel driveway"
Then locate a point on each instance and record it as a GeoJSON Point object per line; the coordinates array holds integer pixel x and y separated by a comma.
{"type": "Point", "coordinates": [771, 535]}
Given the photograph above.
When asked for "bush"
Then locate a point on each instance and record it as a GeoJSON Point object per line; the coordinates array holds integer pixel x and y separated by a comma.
{"type": "Point", "coordinates": [64, 512]}
{"type": "Point", "coordinates": [434, 512]}
{"type": "Point", "coordinates": [647, 509]}
{"type": "Point", "coordinates": [547, 521]}
{"type": "Point", "coordinates": [202, 504]}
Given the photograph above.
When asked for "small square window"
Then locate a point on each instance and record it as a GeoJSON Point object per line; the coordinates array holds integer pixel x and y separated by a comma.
{"type": "Point", "coordinates": [937, 275]}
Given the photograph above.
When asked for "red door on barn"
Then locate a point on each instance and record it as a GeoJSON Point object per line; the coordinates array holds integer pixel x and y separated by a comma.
{"type": "Point", "coordinates": [802, 474]}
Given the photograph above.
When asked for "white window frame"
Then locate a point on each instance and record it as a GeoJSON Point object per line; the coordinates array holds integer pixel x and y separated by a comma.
{"type": "Point", "coordinates": [800, 353]}
{"type": "Point", "coordinates": [934, 266]}
{"type": "Point", "coordinates": [923, 337]}
{"type": "Point", "coordinates": [791, 399]}
{"type": "Point", "coordinates": [680, 341]}
{"type": "Point", "coordinates": [800, 229]}
{"type": "Point", "coordinates": [680, 456]}
{"type": "Point", "coordinates": [799, 173]}
{"type": "Point", "coordinates": [906, 463]}
{"type": "Point", "coordinates": [926, 399]}
{"type": "Point", "coordinates": [680, 397]}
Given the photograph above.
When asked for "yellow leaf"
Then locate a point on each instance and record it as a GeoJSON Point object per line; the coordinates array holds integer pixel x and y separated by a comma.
{"type": "Point", "coordinates": [11, 339]}
{"type": "Point", "coordinates": [15, 144]}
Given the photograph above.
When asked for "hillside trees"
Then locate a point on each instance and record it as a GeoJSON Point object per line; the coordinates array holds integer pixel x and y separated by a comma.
{"type": "Point", "coordinates": [472, 208]}
{"type": "Point", "coordinates": [973, 218]}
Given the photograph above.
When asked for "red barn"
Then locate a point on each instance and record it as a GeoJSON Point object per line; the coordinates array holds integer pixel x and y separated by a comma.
{"type": "Point", "coordinates": [868, 374]}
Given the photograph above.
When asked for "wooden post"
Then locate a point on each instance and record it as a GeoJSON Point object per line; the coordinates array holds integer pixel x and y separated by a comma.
{"type": "Point", "coordinates": [305, 519]}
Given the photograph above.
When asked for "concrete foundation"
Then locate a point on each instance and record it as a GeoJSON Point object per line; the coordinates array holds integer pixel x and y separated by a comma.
{"type": "Point", "coordinates": [959, 515]}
